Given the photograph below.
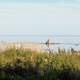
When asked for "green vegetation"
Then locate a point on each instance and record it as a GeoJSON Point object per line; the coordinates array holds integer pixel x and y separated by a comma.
{"type": "Point", "coordinates": [26, 65]}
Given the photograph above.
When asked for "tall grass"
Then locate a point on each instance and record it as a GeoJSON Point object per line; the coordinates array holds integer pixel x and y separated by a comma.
{"type": "Point", "coordinates": [27, 65]}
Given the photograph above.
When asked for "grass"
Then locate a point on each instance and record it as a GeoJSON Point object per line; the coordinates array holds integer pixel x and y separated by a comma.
{"type": "Point", "coordinates": [27, 65]}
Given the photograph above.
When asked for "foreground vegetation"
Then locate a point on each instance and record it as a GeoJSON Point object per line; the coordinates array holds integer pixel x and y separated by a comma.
{"type": "Point", "coordinates": [26, 65]}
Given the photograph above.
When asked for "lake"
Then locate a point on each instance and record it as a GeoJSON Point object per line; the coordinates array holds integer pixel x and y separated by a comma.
{"type": "Point", "coordinates": [74, 40]}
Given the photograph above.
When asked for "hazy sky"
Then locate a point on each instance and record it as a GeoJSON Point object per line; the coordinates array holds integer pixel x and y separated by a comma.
{"type": "Point", "coordinates": [40, 17]}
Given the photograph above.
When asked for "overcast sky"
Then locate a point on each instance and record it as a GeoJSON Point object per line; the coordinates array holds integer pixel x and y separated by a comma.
{"type": "Point", "coordinates": [40, 17]}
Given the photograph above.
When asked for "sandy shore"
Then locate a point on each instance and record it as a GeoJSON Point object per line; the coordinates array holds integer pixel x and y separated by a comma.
{"type": "Point", "coordinates": [25, 45]}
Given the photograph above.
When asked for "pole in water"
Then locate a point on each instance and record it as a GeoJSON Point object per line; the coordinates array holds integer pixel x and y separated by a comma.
{"type": "Point", "coordinates": [49, 45]}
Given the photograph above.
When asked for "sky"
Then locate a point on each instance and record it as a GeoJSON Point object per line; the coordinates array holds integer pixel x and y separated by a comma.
{"type": "Point", "coordinates": [40, 17]}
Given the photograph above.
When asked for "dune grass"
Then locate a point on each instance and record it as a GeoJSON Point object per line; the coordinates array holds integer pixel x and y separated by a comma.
{"type": "Point", "coordinates": [27, 65]}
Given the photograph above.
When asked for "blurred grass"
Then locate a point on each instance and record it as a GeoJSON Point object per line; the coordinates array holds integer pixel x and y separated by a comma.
{"type": "Point", "coordinates": [19, 64]}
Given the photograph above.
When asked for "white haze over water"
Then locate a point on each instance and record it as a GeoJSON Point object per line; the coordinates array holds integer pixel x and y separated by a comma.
{"type": "Point", "coordinates": [40, 19]}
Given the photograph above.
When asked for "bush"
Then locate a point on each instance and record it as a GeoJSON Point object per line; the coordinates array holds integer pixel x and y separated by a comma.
{"type": "Point", "coordinates": [26, 65]}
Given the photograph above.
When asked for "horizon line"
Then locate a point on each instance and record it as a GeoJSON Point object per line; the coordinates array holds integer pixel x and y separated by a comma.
{"type": "Point", "coordinates": [44, 35]}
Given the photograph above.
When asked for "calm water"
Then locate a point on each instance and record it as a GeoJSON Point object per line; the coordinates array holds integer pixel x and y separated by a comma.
{"type": "Point", "coordinates": [55, 39]}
